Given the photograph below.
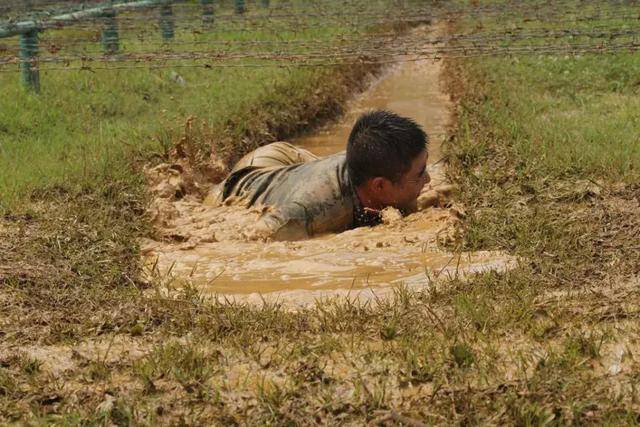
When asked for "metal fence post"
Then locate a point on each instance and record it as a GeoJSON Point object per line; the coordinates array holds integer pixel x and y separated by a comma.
{"type": "Point", "coordinates": [207, 12]}
{"type": "Point", "coordinates": [240, 7]}
{"type": "Point", "coordinates": [29, 59]}
{"type": "Point", "coordinates": [167, 22]}
{"type": "Point", "coordinates": [110, 38]}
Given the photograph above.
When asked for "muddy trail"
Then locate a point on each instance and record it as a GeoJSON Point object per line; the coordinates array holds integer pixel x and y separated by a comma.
{"type": "Point", "coordinates": [213, 247]}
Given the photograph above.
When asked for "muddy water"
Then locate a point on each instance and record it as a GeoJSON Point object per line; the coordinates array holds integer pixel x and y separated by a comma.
{"type": "Point", "coordinates": [217, 255]}
{"type": "Point", "coordinates": [410, 89]}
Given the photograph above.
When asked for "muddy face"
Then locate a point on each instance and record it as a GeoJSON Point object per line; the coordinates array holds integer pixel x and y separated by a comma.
{"type": "Point", "coordinates": [410, 185]}
{"type": "Point", "coordinates": [379, 192]}
{"type": "Point", "coordinates": [215, 252]}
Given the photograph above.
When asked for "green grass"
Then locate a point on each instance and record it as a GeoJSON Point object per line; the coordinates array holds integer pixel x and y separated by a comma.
{"type": "Point", "coordinates": [547, 154]}
{"type": "Point", "coordinates": [568, 117]}
{"type": "Point", "coordinates": [83, 128]}
{"type": "Point", "coordinates": [86, 126]}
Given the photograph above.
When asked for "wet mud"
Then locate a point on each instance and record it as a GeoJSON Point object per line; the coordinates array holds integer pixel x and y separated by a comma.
{"type": "Point", "coordinates": [213, 247]}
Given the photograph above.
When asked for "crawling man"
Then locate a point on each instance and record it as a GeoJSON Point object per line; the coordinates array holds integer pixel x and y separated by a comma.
{"type": "Point", "coordinates": [385, 164]}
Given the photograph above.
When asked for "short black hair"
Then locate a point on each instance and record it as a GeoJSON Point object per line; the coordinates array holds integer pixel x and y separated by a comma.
{"type": "Point", "coordinates": [384, 144]}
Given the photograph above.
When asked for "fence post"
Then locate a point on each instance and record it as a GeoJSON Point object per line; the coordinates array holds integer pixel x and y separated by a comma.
{"type": "Point", "coordinates": [167, 21]}
{"type": "Point", "coordinates": [207, 12]}
{"type": "Point", "coordinates": [28, 60]}
{"type": "Point", "coordinates": [110, 38]}
{"type": "Point", "coordinates": [265, 4]}
{"type": "Point", "coordinates": [240, 7]}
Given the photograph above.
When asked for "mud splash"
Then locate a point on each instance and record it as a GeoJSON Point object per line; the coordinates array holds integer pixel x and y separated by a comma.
{"type": "Point", "coordinates": [214, 251]}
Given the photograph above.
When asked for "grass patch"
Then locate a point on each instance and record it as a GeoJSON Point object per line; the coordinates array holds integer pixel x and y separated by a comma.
{"type": "Point", "coordinates": [86, 126]}
{"type": "Point", "coordinates": [547, 151]}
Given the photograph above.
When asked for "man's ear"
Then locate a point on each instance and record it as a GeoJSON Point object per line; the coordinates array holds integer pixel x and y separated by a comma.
{"type": "Point", "coordinates": [379, 183]}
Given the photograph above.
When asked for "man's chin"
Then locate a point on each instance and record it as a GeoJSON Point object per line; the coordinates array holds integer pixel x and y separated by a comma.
{"type": "Point", "coordinates": [409, 208]}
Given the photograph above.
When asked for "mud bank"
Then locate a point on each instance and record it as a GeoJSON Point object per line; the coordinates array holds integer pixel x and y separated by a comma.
{"type": "Point", "coordinates": [212, 246]}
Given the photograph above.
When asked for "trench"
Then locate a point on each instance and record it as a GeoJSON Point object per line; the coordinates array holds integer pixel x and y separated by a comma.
{"type": "Point", "coordinates": [369, 262]}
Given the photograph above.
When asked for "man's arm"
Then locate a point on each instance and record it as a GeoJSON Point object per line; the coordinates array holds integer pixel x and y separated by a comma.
{"type": "Point", "coordinates": [280, 224]}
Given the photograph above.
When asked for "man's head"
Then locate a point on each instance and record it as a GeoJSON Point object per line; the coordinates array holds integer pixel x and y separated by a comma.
{"type": "Point", "coordinates": [386, 158]}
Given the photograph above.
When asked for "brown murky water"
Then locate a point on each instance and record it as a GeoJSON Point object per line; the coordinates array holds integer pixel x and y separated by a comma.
{"type": "Point", "coordinates": [218, 257]}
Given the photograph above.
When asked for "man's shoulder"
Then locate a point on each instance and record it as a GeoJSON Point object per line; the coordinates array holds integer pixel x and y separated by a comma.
{"type": "Point", "coordinates": [317, 194]}
{"type": "Point", "coordinates": [334, 159]}
{"type": "Point", "coordinates": [306, 198]}
{"type": "Point", "coordinates": [327, 175]}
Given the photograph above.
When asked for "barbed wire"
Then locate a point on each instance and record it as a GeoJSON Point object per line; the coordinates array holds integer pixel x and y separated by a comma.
{"type": "Point", "coordinates": [333, 59]}
{"type": "Point", "coordinates": [632, 48]}
{"type": "Point", "coordinates": [357, 38]}
{"type": "Point", "coordinates": [355, 45]}
{"type": "Point", "coordinates": [23, 5]}
{"type": "Point", "coordinates": [512, 35]}
{"type": "Point", "coordinates": [607, 32]}
{"type": "Point", "coordinates": [345, 27]}
{"type": "Point", "coordinates": [229, 11]}
{"type": "Point", "coordinates": [557, 9]}
{"type": "Point", "coordinates": [530, 9]}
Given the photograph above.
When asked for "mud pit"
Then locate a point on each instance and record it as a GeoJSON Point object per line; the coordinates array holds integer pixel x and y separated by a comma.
{"type": "Point", "coordinates": [217, 253]}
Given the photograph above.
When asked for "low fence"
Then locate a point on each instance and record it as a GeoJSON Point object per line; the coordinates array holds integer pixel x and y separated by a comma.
{"type": "Point", "coordinates": [28, 30]}
{"type": "Point", "coordinates": [293, 33]}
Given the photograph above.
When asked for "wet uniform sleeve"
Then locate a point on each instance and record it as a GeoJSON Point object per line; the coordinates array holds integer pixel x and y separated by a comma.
{"type": "Point", "coordinates": [302, 220]}
{"type": "Point", "coordinates": [317, 199]}
{"type": "Point", "coordinates": [301, 200]}
{"type": "Point", "coordinates": [289, 223]}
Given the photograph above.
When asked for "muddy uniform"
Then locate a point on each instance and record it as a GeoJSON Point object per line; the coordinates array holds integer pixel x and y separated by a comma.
{"type": "Point", "coordinates": [306, 195]}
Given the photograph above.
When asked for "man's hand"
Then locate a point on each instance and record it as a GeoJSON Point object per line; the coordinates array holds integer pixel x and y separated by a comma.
{"type": "Point", "coordinates": [435, 196]}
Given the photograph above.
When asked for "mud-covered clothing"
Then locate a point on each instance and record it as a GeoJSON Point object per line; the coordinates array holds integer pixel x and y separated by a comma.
{"type": "Point", "coordinates": [307, 196]}
{"type": "Point", "coordinates": [275, 154]}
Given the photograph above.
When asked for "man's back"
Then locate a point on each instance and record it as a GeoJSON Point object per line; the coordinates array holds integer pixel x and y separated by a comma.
{"type": "Point", "coordinates": [302, 199]}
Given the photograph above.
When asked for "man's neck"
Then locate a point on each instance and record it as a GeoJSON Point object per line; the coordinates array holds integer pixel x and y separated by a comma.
{"type": "Point", "coordinates": [366, 199]}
